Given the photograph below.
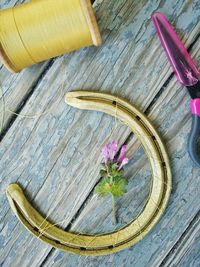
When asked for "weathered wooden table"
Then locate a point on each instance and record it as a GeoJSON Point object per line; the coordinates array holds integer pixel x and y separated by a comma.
{"type": "Point", "coordinates": [55, 157]}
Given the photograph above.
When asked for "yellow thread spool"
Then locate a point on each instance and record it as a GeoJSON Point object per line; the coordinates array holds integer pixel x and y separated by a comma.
{"type": "Point", "coordinates": [42, 29]}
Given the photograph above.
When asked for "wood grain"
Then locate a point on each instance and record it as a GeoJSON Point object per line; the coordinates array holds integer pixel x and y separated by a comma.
{"type": "Point", "coordinates": [55, 155]}
{"type": "Point", "coordinates": [186, 251]}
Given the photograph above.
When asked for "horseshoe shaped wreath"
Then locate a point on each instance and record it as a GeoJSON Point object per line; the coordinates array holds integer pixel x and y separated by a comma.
{"type": "Point", "coordinates": [133, 232]}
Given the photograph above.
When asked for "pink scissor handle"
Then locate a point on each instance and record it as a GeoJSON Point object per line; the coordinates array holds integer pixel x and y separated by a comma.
{"type": "Point", "coordinates": [195, 106]}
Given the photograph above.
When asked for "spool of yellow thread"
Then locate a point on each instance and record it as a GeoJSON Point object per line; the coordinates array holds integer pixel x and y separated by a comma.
{"type": "Point", "coordinates": [42, 29]}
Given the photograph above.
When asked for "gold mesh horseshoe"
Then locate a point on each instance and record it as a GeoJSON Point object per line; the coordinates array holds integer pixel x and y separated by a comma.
{"type": "Point", "coordinates": [102, 244]}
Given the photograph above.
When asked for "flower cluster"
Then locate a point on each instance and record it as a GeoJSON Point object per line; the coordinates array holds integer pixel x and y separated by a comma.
{"type": "Point", "coordinates": [113, 182]}
{"type": "Point", "coordinates": [109, 152]}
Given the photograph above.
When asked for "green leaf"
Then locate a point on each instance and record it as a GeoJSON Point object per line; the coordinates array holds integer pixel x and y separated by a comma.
{"type": "Point", "coordinates": [112, 185]}
{"type": "Point", "coordinates": [114, 171]}
{"type": "Point", "coordinates": [119, 186]}
{"type": "Point", "coordinates": [103, 173]}
{"type": "Point", "coordinates": [114, 166]}
{"type": "Point", "coordinates": [103, 170]}
{"type": "Point", "coordinates": [103, 187]}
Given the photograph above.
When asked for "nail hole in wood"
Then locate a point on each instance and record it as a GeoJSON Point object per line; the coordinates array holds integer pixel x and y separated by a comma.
{"type": "Point", "coordinates": [57, 242]}
{"type": "Point", "coordinates": [114, 103]}
{"type": "Point", "coordinates": [153, 137]}
{"type": "Point", "coordinates": [82, 248]}
{"type": "Point", "coordinates": [35, 229]}
{"type": "Point", "coordinates": [110, 247]}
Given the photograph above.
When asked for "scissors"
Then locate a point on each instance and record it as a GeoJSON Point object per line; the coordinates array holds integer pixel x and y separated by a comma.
{"type": "Point", "coordinates": [187, 74]}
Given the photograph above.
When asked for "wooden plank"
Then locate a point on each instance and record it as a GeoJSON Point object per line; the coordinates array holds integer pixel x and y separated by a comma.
{"type": "Point", "coordinates": [174, 123]}
{"type": "Point", "coordinates": [37, 152]}
{"type": "Point", "coordinates": [17, 87]}
{"type": "Point", "coordinates": [186, 252]}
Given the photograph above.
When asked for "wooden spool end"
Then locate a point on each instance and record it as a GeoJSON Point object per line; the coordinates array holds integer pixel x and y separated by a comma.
{"type": "Point", "coordinates": [92, 23]}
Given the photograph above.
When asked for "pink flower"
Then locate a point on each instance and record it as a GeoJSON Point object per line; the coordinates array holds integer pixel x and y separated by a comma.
{"type": "Point", "coordinates": [123, 163]}
{"type": "Point", "coordinates": [122, 154]}
{"type": "Point", "coordinates": [123, 159]}
{"type": "Point", "coordinates": [109, 152]}
{"type": "Point", "coordinates": [113, 149]}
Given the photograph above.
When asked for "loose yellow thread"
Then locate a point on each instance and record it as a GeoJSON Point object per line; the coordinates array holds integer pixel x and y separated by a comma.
{"type": "Point", "coordinates": [4, 109]}
{"type": "Point", "coordinates": [42, 29]}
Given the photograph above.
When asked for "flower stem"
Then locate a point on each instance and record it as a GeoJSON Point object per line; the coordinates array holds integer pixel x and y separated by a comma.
{"type": "Point", "coordinates": [114, 210]}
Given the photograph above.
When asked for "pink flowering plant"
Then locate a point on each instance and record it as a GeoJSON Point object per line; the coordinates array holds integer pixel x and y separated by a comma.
{"type": "Point", "coordinates": [113, 181]}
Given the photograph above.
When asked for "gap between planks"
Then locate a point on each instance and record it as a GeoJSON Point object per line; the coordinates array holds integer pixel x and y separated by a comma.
{"type": "Point", "coordinates": [176, 250]}
{"type": "Point", "coordinates": [25, 99]}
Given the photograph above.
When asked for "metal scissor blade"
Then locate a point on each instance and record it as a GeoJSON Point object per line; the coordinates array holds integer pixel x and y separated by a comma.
{"type": "Point", "coordinates": [182, 63]}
